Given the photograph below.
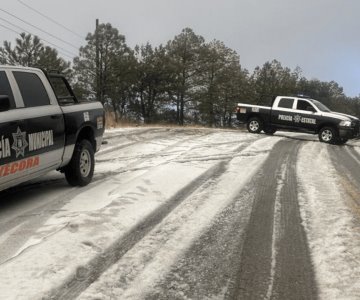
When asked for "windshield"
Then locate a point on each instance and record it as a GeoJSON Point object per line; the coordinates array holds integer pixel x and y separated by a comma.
{"type": "Point", "coordinates": [320, 106]}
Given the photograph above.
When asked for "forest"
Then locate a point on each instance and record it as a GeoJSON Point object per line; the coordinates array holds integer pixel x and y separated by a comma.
{"type": "Point", "coordinates": [188, 80]}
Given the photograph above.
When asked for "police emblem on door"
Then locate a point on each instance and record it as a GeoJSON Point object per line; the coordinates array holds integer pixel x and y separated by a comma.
{"type": "Point", "coordinates": [297, 119]}
{"type": "Point", "coordinates": [20, 143]}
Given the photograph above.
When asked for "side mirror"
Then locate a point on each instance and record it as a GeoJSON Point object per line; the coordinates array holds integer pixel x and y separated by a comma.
{"type": "Point", "coordinates": [4, 103]}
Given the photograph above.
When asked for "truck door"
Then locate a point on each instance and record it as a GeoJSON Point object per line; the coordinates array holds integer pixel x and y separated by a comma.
{"type": "Point", "coordinates": [10, 120]}
{"type": "Point", "coordinates": [306, 115]}
{"type": "Point", "coordinates": [282, 114]}
{"type": "Point", "coordinates": [40, 140]}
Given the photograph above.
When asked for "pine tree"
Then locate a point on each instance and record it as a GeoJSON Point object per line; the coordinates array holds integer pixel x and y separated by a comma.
{"type": "Point", "coordinates": [29, 51]}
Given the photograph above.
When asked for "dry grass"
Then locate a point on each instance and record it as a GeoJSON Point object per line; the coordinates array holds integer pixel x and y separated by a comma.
{"type": "Point", "coordinates": [111, 123]}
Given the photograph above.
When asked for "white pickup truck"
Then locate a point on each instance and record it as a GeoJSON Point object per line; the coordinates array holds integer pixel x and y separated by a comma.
{"type": "Point", "coordinates": [301, 115]}
{"type": "Point", "coordinates": [44, 127]}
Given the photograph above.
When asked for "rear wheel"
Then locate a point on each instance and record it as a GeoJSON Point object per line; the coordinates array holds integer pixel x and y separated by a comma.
{"type": "Point", "coordinates": [254, 125]}
{"type": "Point", "coordinates": [328, 135]}
{"type": "Point", "coordinates": [80, 170]}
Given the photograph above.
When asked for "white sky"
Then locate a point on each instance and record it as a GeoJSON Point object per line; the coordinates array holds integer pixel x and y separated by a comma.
{"type": "Point", "coordinates": [320, 36]}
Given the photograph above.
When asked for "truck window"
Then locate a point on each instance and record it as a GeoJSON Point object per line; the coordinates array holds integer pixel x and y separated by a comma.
{"type": "Point", "coordinates": [286, 103]}
{"type": "Point", "coordinates": [304, 105]}
{"type": "Point", "coordinates": [32, 89]}
{"type": "Point", "coordinates": [5, 88]}
{"type": "Point", "coordinates": [62, 92]}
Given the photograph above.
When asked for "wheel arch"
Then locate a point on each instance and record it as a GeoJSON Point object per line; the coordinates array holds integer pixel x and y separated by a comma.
{"type": "Point", "coordinates": [87, 133]}
{"type": "Point", "coordinates": [326, 124]}
{"type": "Point", "coordinates": [254, 115]}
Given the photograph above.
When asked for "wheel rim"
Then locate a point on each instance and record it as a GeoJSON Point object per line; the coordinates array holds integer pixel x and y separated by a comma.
{"type": "Point", "coordinates": [254, 125]}
{"type": "Point", "coordinates": [85, 163]}
{"type": "Point", "coordinates": [327, 135]}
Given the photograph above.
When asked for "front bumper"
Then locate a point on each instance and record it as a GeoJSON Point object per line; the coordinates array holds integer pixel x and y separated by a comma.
{"type": "Point", "coordinates": [350, 132]}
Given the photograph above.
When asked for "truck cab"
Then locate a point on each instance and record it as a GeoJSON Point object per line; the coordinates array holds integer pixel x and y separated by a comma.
{"type": "Point", "coordinates": [40, 132]}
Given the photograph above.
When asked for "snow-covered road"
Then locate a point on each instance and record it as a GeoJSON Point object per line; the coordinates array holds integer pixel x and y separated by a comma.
{"type": "Point", "coordinates": [179, 213]}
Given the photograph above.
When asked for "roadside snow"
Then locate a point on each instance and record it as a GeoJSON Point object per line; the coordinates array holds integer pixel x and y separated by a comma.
{"type": "Point", "coordinates": [333, 230]}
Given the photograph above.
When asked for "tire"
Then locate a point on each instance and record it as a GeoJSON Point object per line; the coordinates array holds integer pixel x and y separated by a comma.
{"type": "Point", "coordinates": [328, 135]}
{"type": "Point", "coordinates": [254, 125]}
{"type": "Point", "coordinates": [269, 130]}
{"type": "Point", "coordinates": [80, 170]}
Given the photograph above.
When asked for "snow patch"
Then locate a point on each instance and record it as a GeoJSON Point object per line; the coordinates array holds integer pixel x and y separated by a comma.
{"type": "Point", "coordinates": [276, 235]}
{"type": "Point", "coordinates": [332, 227]}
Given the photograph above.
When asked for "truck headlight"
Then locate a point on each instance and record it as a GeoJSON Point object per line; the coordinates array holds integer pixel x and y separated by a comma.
{"type": "Point", "coordinates": [345, 123]}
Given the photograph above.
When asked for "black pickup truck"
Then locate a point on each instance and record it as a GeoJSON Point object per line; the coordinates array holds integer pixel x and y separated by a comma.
{"type": "Point", "coordinates": [301, 115]}
{"type": "Point", "coordinates": [44, 127]}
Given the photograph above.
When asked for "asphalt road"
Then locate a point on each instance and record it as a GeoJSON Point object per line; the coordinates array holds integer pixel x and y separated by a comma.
{"type": "Point", "coordinates": [230, 231]}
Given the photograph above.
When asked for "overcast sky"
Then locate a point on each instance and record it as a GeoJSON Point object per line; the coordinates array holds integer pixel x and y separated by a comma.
{"type": "Point", "coordinates": [319, 36]}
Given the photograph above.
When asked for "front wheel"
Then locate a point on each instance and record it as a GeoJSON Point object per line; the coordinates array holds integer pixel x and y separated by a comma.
{"type": "Point", "coordinates": [254, 125]}
{"type": "Point", "coordinates": [80, 170]}
{"type": "Point", "coordinates": [328, 135]}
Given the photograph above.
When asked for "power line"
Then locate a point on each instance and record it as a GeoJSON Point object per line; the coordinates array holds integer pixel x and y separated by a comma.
{"type": "Point", "coordinates": [50, 19]}
{"type": "Point", "coordinates": [12, 30]}
{"type": "Point", "coordinates": [8, 28]}
{"type": "Point", "coordinates": [26, 31]}
{"type": "Point", "coordinates": [38, 28]}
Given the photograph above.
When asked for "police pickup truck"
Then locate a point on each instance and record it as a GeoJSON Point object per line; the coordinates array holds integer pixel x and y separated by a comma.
{"type": "Point", "coordinates": [302, 115]}
{"type": "Point", "coordinates": [44, 127]}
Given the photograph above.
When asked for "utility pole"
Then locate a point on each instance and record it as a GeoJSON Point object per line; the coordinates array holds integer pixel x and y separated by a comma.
{"type": "Point", "coordinates": [97, 62]}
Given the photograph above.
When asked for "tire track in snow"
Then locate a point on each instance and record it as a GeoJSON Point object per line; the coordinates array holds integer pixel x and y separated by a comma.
{"type": "Point", "coordinates": [133, 276]}
{"type": "Point", "coordinates": [162, 134]}
{"type": "Point", "coordinates": [44, 211]}
{"type": "Point", "coordinates": [34, 218]}
{"type": "Point", "coordinates": [131, 140]}
{"type": "Point", "coordinates": [169, 156]}
{"type": "Point", "coordinates": [97, 266]}
{"type": "Point", "coordinates": [212, 259]}
{"type": "Point", "coordinates": [207, 267]}
{"type": "Point", "coordinates": [166, 148]}
{"type": "Point", "coordinates": [73, 287]}
{"type": "Point", "coordinates": [29, 222]}
{"type": "Point", "coordinates": [280, 268]}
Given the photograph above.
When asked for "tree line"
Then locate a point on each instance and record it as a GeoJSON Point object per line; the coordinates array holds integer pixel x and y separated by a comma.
{"type": "Point", "coordinates": [186, 81]}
